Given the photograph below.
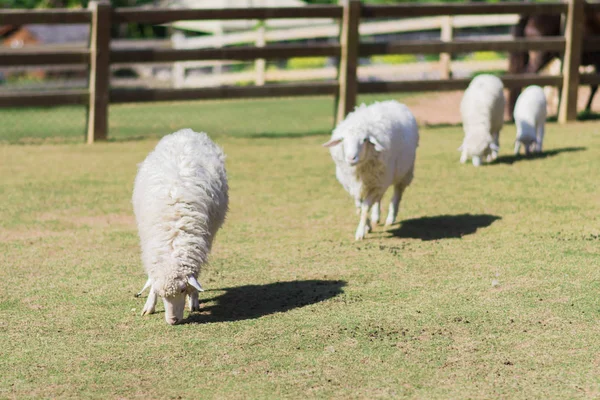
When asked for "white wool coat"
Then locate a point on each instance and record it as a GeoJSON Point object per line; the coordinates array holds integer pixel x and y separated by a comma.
{"type": "Point", "coordinates": [482, 113]}
{"type": "Point", "coordinates": [392, 130]}
{"type": "Point", "coordinates": [530, 114]}
{"type": "Point", "coordinates": [180, 200]}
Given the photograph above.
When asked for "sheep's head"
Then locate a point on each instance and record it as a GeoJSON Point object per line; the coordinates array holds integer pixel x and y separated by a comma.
{"type": "Point", "coordinates": [357, 147]}
{"type": "Point", "coordinates": [174, 293]}
{"type": "Point", "coordinates": [479, 144]}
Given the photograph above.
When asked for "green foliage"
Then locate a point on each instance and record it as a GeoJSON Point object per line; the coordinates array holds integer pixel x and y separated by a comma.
{"type": "Point", "coordinates": [67, 3]}
{"type": "Point", "coordinates": [306, 62]}
{"type": "Point", "coordinates": [487, 56]}
{"type": "Point", "coordinates": [394, 59]}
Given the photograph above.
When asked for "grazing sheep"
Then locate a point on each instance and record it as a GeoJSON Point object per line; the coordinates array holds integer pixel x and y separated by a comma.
{"type": "Point", "coordinates": [373, 148]}
{"type": "Point", "coordinates": [530, 118]}
{"type": "Point", "coordinates": [180, 199]}
{"type": "Point", "coordinates": [482, 112]}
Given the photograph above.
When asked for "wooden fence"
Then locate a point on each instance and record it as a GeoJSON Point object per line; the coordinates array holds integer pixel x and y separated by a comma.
{"type": "Point", "coordinates": [99, 56]}
{"type": "Point", "coordinates": [444, 24]}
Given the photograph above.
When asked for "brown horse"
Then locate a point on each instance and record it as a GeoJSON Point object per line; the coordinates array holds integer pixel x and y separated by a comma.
{"type": "Point", "coordinates": [542, 25]}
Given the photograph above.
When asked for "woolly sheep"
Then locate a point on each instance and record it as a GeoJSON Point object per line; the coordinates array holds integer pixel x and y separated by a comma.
{"type": "Point", "coordinates": [180, 199]}
{"type": "Point", "coordinates": [373, 148]}
{"type": "Point", "coordinates": [530, 118]}
{"type": "Point", "coordinates": [482, 112]}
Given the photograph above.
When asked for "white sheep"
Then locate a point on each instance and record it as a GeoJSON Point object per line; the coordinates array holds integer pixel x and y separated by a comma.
{"type": "Point", "coordinates": [375, 147]}
{"type": "Point", "coordinates": [180, 199]}
{"type": "Point", "coordinates": [482, 112]}
{"type": "Point", "coordinates": [530, 118]}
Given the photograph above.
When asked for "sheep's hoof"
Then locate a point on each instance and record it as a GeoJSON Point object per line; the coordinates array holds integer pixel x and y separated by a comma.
{"type": "Point", "coordinates": [194, 304]}
{"type": "Point", "coordinates": [389, 222]}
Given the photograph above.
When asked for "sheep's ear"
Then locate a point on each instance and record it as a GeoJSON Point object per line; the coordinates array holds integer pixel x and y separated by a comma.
{"type": "Point", "coordinates": [378, 146]}
{"type": "Point", "coordinates": [192, 281]}
{"type": "Point", "coordinates": [146, 286]}
{"type": "Point", "coordinates": [333, 142]}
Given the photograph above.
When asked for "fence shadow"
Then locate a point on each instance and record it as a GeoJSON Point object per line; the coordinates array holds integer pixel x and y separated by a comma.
{"type": "Point", "coordinates": [443, 226]}
{"type": "Point", "coordinates": [536, 156]}
{"type": "Point", "coordinates": [254, 301]}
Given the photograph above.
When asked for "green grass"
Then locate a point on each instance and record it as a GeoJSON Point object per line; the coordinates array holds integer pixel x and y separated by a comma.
{"type": "Point", "coordinates": [488, 288]}
{"type": "Point", "coordinates": [240, 118]}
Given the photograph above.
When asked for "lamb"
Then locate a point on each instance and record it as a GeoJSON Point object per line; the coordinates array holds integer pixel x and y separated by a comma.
{"type": "Point", "coordinates": [375, 147]}
{"type": "Point", "coordinates": [530, 118]}
{"type": "Point", "coordinates": [180, 199]}
{"type": "Point", "coordinates": [482, 112]}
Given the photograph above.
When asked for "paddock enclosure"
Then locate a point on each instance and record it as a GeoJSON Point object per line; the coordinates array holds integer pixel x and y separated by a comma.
{"type": "Point", "coordinates": [487, 287]}
{"type": "Point", "coordinates": [348, 50]}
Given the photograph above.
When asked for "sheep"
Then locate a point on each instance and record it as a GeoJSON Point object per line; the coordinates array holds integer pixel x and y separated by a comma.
{"type": "Point", "coordinates": [482, 113]}
{"type": "Point", "coordinates": [372, 148]}
{"type": "Point", "coordinates": [180, 199]}
{"type": "Point", "coordinates": [530, 118]}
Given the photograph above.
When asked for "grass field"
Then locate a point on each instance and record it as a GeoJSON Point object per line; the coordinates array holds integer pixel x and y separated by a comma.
{"type": "Point", "coordinates": [238, 118]}
{"type": "Point", "coordinates": [487, 288]}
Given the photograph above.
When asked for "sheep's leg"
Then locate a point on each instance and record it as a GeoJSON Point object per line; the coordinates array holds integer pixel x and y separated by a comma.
{"type": "Point", "coordinates": [496, 138]}
{"type": "Point", "coordinates": [540, 138]}
{"type": "Point", "coordinates": [361, 231]}
{"type": "Point", "coordinates": [194, 301]}
{"type": "Point", "coordinates": [146, 286]}
{"type": "Point", "coordinates": [150, 305]}
{"type": "Point", "coordinates": [463, 156]}
{"type": "Point", "coordinates": [376, 212]}
{"type": "Point", "coordinates": [476, 161]}
{"type": "Point", "coordinates": [395, 203]}
{"type": "Point", "coordinates": [517, 147]}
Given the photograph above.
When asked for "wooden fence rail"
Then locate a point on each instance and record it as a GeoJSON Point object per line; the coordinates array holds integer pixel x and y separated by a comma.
{"type": "Point", "coordinates": [99, 56]}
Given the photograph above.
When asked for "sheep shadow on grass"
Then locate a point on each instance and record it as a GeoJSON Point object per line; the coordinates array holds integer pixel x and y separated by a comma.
{"type": "Point", "coordinates": [443, 226]}
{"type": "Point", "coordinates": [254, 301]}
{"type": "Point", "coordinates": [511, 159]}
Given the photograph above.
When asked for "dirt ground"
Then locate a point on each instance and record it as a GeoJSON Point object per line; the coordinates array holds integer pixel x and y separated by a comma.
{"type": "Point", "coordinates": [444, 107]}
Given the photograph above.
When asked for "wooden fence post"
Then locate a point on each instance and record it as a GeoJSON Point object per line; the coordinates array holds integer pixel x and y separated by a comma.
{"type": "Point", "coordinates": [347, 76]}
{"type": "Point", "coordinates": [572, 58]}
{"type": "Point", "coordinates": [446, 35]}
{"type": "Point", "coordinates": [178, 71]}
{"type": "Point", "coordinates": [259, 63]}
{"type": "Point", "coordinates": [99, 80]}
